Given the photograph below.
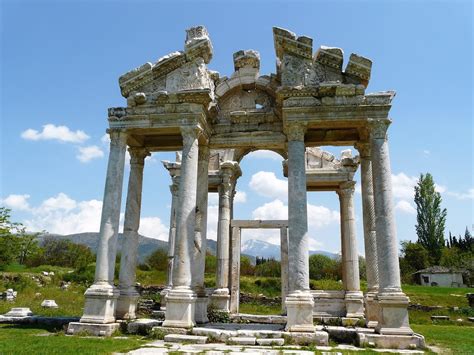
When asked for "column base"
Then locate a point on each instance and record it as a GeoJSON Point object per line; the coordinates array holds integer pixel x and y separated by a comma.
{"type": "Point", "coordinates": [163, 295]}
{"type": "Point", "coordinates": [220, 299]}
{"type": "Point", "coordinates": [372, 309]}
{"type": "Point", "coordinates": [100, 304]}
{"type": "Point", "coordinates": [401, 342]}
{"type": "Point", "coordinates": [127, 304]}
{"type": "Point", "coordinates": [95, 329]}
{"type": "Point", "coordinates": [354, 301]}
{"type": "Point", "coordinates": [180, 308]}
{"type": "Point", "coordinates": [200, 314]}
{"type": "Point", "coordinates": [393, 315]}
{"type": "Point", "coordinates": [299, 308]}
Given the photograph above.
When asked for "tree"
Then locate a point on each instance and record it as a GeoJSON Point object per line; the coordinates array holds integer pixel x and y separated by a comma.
{"type": "Point", "coordinates": [324, 267]}
{"type": "Point", "coordinates": [15, 244]}
{"type": "Point", "coordinates": [158, 260]}
{"type": "Point", "coordinates": [246, 267]}
{"type": "Point", "coordinates": [430, 217]}
{"type": "Point", "coordinates": [414, 257]}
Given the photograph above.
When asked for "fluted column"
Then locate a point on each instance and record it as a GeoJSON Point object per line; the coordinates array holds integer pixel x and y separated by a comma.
{"type": "Point", "coordinates": [127, 301]}
{"type": "Point", "coordinates": [180, 301]}
{"type": "Point", "coordinates": [350, 257]}
{"type": "Point", "coordinates": [101, 297]}
{"type": "Point", "coordinates": [221, 295]}
{"type": "Point", "coordinates": [392, 301]}
{"type": "Point", "coordinates": [174, 169]}
{"type": "Point", "coordinates": [200, 243]}
{"type": "Point", "coordinates": [370, 236]}
{"type": "Point", "coordinates": [299, 302]}
{"type": "Point", "coordinates": [284, 266]}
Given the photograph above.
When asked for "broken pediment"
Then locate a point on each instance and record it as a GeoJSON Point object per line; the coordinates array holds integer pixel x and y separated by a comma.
{"type": "Point", "coordinates": [297, 66]}
{"type": "Point", "coordinates": [175, 72]}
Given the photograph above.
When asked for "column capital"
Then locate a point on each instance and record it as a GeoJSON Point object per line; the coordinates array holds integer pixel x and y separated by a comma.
{"type": "Point", "coordinates": [296, 131]}
{"type": "Point", "coordinates": [174, 187]}
{"type": "Point", "coordinates": [190, 133]}
{"type": "Point", "coordinates": [378, 128]}
{"type": "Point", "coordinates": [363, 148]}
{"type": "Point", "coordinates": [138, 155]}
{"type": "Point", "coordinates": [346, 189]}
{"type": "Point", "coordinates": [117, 136]}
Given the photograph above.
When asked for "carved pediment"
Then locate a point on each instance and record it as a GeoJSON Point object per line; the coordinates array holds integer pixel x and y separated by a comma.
{"type": "Point", "coordinates": [297, 66]}
{"type": "Point", "coordinates": [176, 72]}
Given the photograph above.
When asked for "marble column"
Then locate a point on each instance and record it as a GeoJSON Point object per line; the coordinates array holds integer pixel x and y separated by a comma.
{"type": "Point", "coordinates": [200, 243]}
{"type": "Point", "coordinates": [284, 266]}
{"type": "Point", "coordinates": [370, 240]}
{"type": "Point", "coordinates": [235, 270]}
{"type": "Point", "coordinates": [350, 258]}
{"type": "Point", "coordinates": [221, 296]}
{"type": "Point", "coordinates": [127, 301]}
{"type": "Point", "coordinates": [101, 297]}
{"type": "Point", "coordinates": [299, 303]}
{"type": "Point", "coordinates": [181, 299]}
{"type": "Point", "coordinates": [392, 301]}
{"type": "Point", "coordinates": [174, 189]}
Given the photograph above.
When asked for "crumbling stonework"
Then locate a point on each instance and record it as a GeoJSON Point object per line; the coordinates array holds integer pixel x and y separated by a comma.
{"type": "Point", "coordinates": [178, 104]}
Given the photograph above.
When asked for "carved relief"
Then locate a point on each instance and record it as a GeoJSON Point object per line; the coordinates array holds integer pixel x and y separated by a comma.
{"type": "Point", "coordinates": [188, 77]}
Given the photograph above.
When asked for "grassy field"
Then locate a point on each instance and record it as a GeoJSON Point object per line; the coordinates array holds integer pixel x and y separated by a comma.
{"type": "Point", "coordinates": [33, 340]}
{"type": "Point", "coordinates": [451, 336]}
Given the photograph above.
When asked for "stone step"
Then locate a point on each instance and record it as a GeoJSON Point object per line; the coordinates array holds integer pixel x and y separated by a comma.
{"type": "Point", "coordinates": [182, 338]}
{"type": "Point", "coordinates": [271, 341]}
{"type": "Point", "coordinates": [242, 340]}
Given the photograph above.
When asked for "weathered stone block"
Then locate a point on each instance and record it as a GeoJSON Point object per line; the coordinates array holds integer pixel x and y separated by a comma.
{"type": "Point", "coordinates": [180, 338]}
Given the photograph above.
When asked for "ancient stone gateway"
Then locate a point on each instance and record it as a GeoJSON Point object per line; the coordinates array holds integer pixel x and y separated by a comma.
{"type": "Point", "coordinates": [178, 104]}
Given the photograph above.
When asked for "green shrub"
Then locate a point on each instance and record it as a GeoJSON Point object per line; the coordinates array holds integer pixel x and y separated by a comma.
{"type": "Point", "coordinates": [83, 275]}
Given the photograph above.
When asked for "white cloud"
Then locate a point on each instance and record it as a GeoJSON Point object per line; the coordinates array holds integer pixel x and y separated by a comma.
{"type": "Point", "coordinates": [16, 202]}
{"type": "Point", "coordinates": [88, 153]}
{"type": "Point", "coordinates": [267, 184]}
{"type": "Point", "coordinates": [264, 154]}
{"type": "Point", "coordinates": [463, 195]}
{"type": "Point", "coordinates": [405, 207]}
{"type": "Point", "coordinates": [240, 197]}
{"type": "Point", "coordinates": [318, 216]}
{"type": "Point", "coordinates": [403, 186]}
{"type": "Point", "coordinates": [63, 215]}
{"type": "Point", "coordinates": [60, 202]}
{"type": "Point", "coordinates": [271, 210]}
{"type": "Point", "coordinates": [152, 227]}
{"type": "Point", "coordinates": [212, 218]}
{"type": "Point", "coordinates": [426, 152]}
{"type": "Point", "coordinates": [58, 133]}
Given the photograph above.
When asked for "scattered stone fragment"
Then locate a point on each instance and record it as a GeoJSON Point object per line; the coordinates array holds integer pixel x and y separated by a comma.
{"type": "Point", "coordinates": [19, 312]}
{"type": "Point", "coordinates": [271, 342]}
{"type": "Point", "coordinates": [49, 304]}
{"type": "Point", "coordinates": [242, 340]}
{"type": "Point", "coordinates": [182, 338]}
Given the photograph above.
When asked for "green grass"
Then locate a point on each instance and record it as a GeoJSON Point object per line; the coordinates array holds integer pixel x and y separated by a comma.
{"type": "Point", "coordinates": [70, 301]}
{"type": "Point", "coordinates": [36, 340]}
{"type": "Point", "coordinates": [258, 308]}
{"type": "Point", "coordinates": [437, 296]}
{"type": "Point", "coordinates": [452, 338]}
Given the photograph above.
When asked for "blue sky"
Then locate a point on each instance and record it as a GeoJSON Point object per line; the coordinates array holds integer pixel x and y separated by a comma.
{"type": "Point", "coordinates": [60, 63]}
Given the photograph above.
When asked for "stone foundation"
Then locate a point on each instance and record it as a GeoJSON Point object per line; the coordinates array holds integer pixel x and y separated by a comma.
{"type": "Point", "coordinates": [92, 328]}
{"type": "Point", "coordinates": [415, 341]}
{"type": "Point", "coordinates": [180, 309]}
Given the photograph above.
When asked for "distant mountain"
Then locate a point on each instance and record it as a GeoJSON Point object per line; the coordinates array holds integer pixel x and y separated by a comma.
{"type": "Point", "coordinates": [251, 248]}
{"type": "Point", "coordinates": [146, 245]}
{"type": "Point", "coordinates": [263, 249]}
